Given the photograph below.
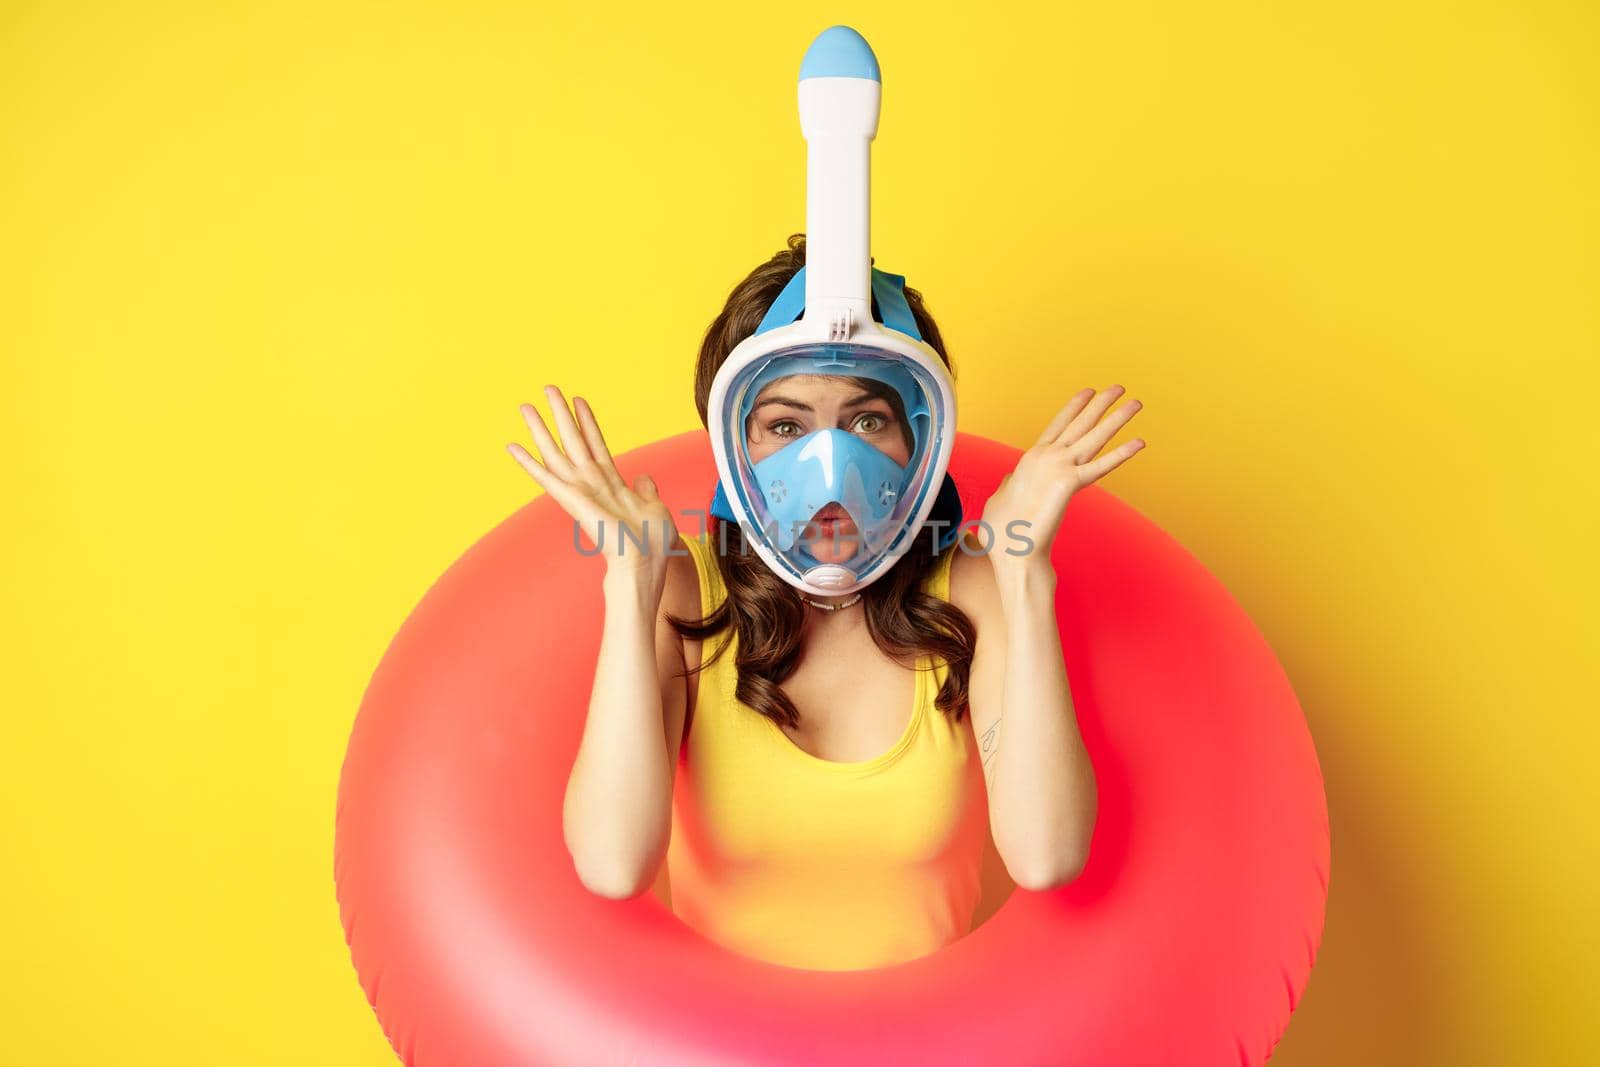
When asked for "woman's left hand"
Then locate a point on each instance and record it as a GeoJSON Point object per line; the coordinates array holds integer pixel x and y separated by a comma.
{"type": "Point", "coordinates": [1062, 461]}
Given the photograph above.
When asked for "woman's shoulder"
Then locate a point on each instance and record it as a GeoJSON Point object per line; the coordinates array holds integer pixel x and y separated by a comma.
{"type": "Point", "coordinates": [971, 585]}
{"type": "Point", "coordinates": [680, 595]}
{"type": "Point", "coordinates": [937, 580]}
{"type": "Point", "coordinates": [692, 567]}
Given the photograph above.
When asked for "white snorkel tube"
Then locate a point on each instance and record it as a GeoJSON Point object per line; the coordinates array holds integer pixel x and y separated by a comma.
{"type": "Point", "coordinates": [839, 94]}
{"type": "Point", "coordinates": [840, 99]}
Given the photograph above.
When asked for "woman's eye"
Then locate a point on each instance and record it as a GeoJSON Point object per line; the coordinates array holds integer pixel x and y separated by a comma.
{"type": "Point", "coordinates": [870, 423]}
{"type": "Point", "coordinates": [785, 428]}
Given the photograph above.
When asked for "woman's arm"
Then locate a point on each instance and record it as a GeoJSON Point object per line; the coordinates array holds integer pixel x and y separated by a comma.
{"type": "Point", "coordinates": [1041, 785]}
{"type": "Point", "coordinates": [1042, 797]}
{"type": "Point", "coordinates": [616, 816]}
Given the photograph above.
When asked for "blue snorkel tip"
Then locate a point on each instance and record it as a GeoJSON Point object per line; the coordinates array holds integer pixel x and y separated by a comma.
{"type": "Point", "coordinates": [840, 52]}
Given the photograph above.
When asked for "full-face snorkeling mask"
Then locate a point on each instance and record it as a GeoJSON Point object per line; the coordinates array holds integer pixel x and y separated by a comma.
{"type": "Point", "coordinates": [853, 322]}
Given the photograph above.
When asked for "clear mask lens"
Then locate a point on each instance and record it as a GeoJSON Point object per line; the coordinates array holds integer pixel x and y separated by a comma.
{"type": "Point", "coordinates": [832, 449]}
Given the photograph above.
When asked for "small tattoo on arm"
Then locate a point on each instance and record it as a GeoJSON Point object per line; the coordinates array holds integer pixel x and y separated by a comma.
{"type": "Point", "coordinates": [988, 745]}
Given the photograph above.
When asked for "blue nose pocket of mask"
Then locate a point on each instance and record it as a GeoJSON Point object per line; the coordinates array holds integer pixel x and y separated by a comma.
{"type": "Point", "coordinates": [946, 516]}
{"type": "Point", "coordinates": [829, 466]}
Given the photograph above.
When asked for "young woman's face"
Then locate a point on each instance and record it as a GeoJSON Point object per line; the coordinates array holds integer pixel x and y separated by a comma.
{"type": "Point", "coordinates": [789, 408]}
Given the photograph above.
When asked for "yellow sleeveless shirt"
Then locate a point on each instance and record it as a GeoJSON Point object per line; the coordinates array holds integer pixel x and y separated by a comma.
{"type": "Point", "coordinates": [787, 857]}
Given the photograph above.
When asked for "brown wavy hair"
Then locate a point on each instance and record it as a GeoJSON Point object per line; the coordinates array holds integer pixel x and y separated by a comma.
{"type": "Point", "coordinates": [765, 611]}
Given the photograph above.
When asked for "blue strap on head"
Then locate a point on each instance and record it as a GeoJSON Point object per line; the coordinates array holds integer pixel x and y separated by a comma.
{"type": "Point", "coordinates": [888, 297]}
{"type": "Point", "coordinates": [889, 293]}
{"type": "Point", "coordinates": [889, 303]}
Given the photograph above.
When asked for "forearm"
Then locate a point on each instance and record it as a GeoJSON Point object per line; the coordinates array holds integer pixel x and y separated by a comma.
{"type": "Point", "coordinates": [616, 816]}
{"type": "Point", "coordinates": [1043, 789]}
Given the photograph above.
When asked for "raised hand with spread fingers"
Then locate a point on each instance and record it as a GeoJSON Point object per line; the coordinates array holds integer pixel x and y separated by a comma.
{"type": "Point", "coordinates": [629, 525]}
{"type": "Point", "coordinates": [1064, 459]}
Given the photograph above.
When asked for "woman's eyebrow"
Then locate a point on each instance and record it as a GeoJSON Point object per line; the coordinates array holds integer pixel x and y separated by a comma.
{"type": "Point", "coordinates": [862, 398]}
{"type": "Point", "coordinates": [780, 400]}
{"type": "Point", "coordinates": [854, 402]}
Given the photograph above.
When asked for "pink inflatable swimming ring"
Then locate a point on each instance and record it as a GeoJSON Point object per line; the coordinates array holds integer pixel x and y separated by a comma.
{"type": "Point", "coordinates": [1187, 939]}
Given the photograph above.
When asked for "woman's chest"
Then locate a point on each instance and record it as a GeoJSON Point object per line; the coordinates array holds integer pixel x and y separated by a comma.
{"type": "Point", "coordinates": [854, 703]}
{"type": "Point", "coordinates": [748, 793]}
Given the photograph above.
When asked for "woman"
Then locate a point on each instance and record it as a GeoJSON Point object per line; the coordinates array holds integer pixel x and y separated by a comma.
{"type": "Point", "coordinates": [756, 736]}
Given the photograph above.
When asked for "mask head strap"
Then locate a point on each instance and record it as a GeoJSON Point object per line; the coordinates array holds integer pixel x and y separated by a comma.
{"type": "Point", "coordinates": [888, 303]}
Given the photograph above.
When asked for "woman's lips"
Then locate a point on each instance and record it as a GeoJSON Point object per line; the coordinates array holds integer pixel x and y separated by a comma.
{"type": "Point", "coordinates": [832, 534]}
{"type": "Point", "coordinates": [830, 517]}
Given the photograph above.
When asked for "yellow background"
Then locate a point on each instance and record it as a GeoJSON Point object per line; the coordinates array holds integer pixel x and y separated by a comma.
{"type": "Point", "coordinates": [275, 278]}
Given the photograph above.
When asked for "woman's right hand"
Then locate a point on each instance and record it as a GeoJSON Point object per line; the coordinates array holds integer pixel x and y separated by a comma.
{"type": "Point", "coordinates": [580, 475]}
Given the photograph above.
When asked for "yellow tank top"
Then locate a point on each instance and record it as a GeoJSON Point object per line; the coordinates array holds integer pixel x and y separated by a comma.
{"type": "Point", "coordinates": [787, 857]}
